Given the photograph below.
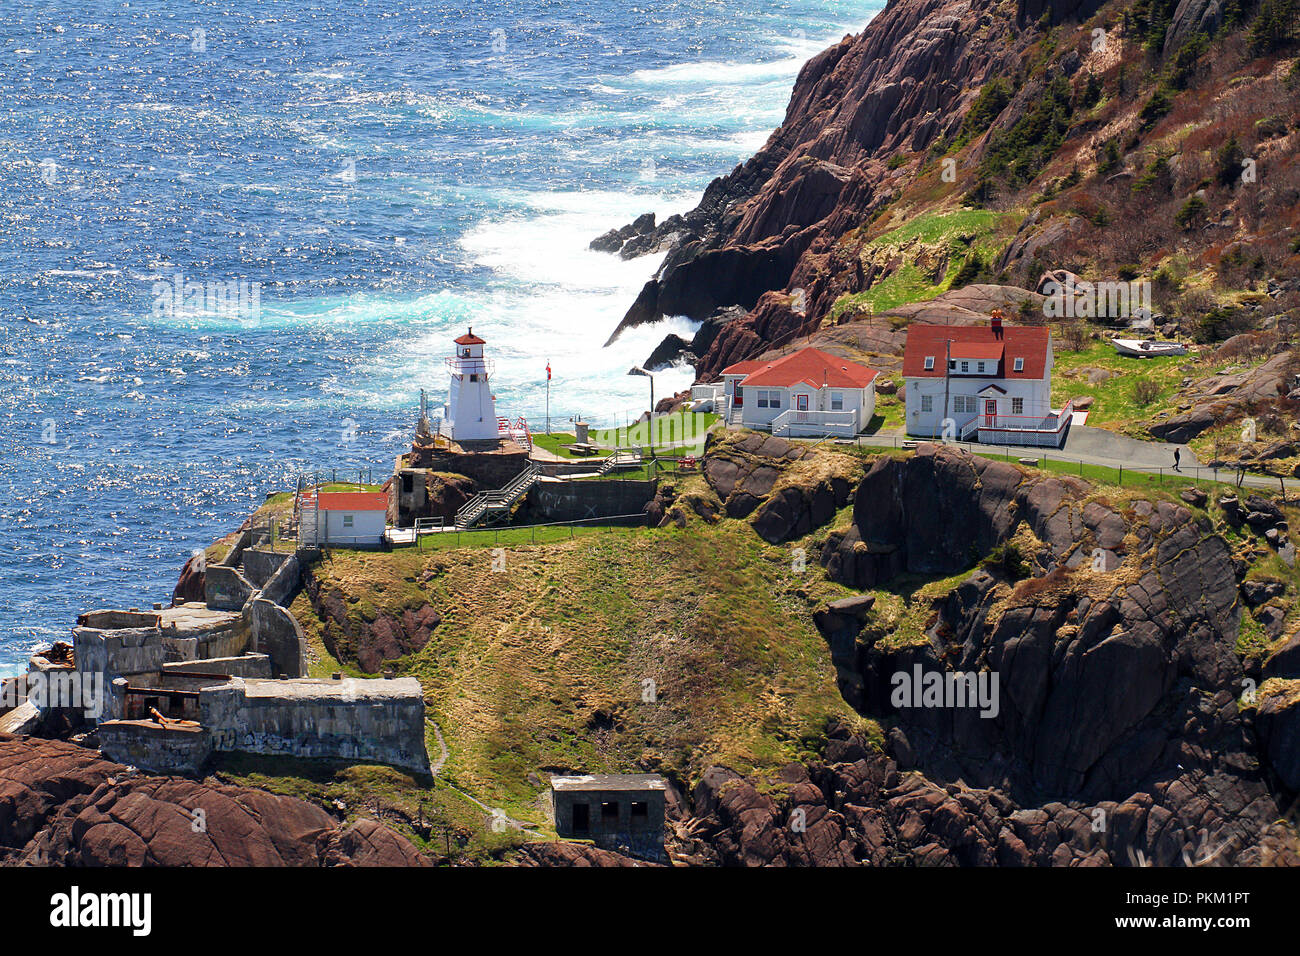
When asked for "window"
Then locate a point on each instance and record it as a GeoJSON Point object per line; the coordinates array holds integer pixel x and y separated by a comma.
{"type": "Point", "coordinates": [927, 403]}
{"type": "Point", "coordinates": [347, 521]}
{"type": "Point", "coordinates": [581, 818]}
{"type": "Point", "coordinates": [1020, 365]}
{"type": "Point", "coordinates": [465, 354]}
{"type": "Point", "coordinates": [981, 367]}
{"type": "Point", "coordinates": [963, 404]}
{"type": "Point", "coordinates": [473, 377]}
{"type": "Point", "coordinates": [408, 483]}
{"type": "Point", "coordinates": [1017, 406]}
{"type": "Point", "coordinates": [965, 366]}
{"type": "Point", "coordinates": [837, 401]}
{"type": "Point", "coordinates": [640, 811]}
{"type": "Point", "coordinates": [776, 399]}
{"type": "Point", "coordinates": [929, 363]}
{"type": "Point", "coordinates": [762, 398]}
{"type": "Point", "coordinates": [609, 813]}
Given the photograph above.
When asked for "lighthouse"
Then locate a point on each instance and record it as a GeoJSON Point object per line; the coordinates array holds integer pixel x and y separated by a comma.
{"type": "Point", "coordinates": [471, 410]}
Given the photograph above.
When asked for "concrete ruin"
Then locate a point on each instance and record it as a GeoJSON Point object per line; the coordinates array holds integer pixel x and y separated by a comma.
{"type": "Point", "coordinates": [225, 675]}
{"type": "Point", "coordinates": [176, 726]}
{"type": "Point", "coordinates": [616, 811]}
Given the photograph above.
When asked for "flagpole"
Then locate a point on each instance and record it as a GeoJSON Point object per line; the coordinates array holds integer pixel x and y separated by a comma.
{"type": "Point", "coordinates": [548, 399]}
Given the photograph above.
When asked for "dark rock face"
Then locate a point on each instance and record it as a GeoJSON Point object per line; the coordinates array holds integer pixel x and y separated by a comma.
{"type": "Point", "coordinates": [940, 510]}
{"type": "Point", "coordinates": [744, 471]}
{"type": "Point", "coordinates": [64, 805]}
{"type": "Point", "coordinates": [1117, 686]}
{"type": "Point", "coordinates": [1279, 729]}
{"type": "Point", "coordinates": [368, 641]}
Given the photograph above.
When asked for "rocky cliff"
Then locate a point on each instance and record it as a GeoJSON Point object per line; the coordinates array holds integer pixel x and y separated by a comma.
{"type": "Point", "coordinates": [1068, 117]}
{"type": "Point", "coordinates": [61, 804]}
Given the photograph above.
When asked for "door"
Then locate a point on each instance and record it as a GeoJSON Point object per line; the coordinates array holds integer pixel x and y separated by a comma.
{"type": "Point", "coordinates": [581, 818]}
{"type": "Point", "coordinates": [801, 406]}
{"type": "Point", "coordinates": [740, 396]}
{"type": "Point", "coordinates": [990, 412]}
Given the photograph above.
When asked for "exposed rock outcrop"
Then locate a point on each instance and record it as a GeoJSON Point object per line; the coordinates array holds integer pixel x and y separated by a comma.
{"type": "Point", "coordinates": [787, 488]}
{"type": "Point", "coordinates": [368, 636]}
{"type": "Point", "coordinates": [64, 805]}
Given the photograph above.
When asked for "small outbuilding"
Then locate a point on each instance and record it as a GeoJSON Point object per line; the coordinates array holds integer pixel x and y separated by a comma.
{"type": "Point", "coordinates": [616, 811]}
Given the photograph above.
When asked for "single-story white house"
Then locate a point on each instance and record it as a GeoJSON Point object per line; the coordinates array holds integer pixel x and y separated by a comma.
{"type": "Point", "coordinates": [991, 383]}
{"type": "Point", "coordinates": [806, 393]}
{"type": "Point", "coordinates": [344, 517]}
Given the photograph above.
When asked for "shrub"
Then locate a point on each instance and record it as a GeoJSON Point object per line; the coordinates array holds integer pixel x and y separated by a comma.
{"type": "Point", "coordinates": [1156, 107]}
{"type": "Point", "coordinates": [1227, 162]}
{"type": "Point", "coordinates": [1145, 391]}
{"type": "Point", "coordinates": [1007, 559]}
{"type": "Point", "coordinates": [1192, 212]}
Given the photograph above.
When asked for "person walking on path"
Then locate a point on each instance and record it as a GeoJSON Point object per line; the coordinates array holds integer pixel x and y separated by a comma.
{"type": "Point", "coordinates": [1177, 455]}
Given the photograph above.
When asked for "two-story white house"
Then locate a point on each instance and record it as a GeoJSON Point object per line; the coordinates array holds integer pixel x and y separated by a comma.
{"type": "Point", "coordinates": [803, 394]}
{"type": "Point", "coordinates": [990, 383]}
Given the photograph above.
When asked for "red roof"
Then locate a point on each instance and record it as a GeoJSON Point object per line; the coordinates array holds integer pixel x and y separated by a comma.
{"type": "Point", "coordinates": [1029, 342]}
{"type": "Point", "coordinates": [353, 501]}
{"type": "Point", "coordinates": [469, 338]}
{"type": "Point", "coordinates": [811, 367]}
{"type": "Point", "coordinates": [742, 368]}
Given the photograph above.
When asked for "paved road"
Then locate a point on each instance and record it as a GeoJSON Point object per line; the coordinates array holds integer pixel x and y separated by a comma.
{"type": "Point", "coordinates": [1097, 446]}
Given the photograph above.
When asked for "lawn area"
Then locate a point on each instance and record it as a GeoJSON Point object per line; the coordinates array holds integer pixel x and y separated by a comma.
{"type": "Point", "coordinates": [1114, 404]}
{"type": "Point", "coordinates": [679, 429]}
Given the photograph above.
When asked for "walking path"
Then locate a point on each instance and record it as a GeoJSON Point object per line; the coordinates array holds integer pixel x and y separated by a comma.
{"type": "Point", "coordinates": [500, 819]}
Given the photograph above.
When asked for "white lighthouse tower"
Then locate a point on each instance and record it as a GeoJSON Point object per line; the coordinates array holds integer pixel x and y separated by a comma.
{"type": "Point", "coordinates": [471, 410]}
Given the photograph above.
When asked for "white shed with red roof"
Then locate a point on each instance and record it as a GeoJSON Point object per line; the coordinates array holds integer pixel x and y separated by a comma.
{"type": "Point", "coordinates": [343, 518]}
{"type": "Point", "coordinates": [807, 393]}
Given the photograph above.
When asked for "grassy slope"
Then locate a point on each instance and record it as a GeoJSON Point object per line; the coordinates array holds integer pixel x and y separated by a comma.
{"type": "Point", "coordinates": [541, 666]}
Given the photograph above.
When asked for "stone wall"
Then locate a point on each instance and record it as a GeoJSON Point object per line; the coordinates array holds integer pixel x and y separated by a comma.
{"type": "Point", "coordinates": [113, 653]}
{"type": "Point", "coordinates": [246, 665]}
{"type": "Point", "coordinates": [576, 500]}
{"type": "Point", "coordinates": [225, 588]}
{"type": "Point", "coordinates": [277, 634]}
{"type": "Point", "coordinates": [260, 566]}
{"type": "Point", "coordinates": [170, 748]}
{"type": "Point", "coordinates": [380, 721]}
{"type": "Point", "coordinates": [281, 585]}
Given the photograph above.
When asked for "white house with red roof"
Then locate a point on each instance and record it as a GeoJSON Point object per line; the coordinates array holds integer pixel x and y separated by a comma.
{"type": "Point", "coordinates": [808, 393]}
{"type": "Point", "coordinates": [991, 383]}
{"type": "Point", "coordinates": [343, 517]}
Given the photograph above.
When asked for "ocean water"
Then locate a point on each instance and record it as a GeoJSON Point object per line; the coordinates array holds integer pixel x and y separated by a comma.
{"type": "Point", "coordinates": [383, 174]}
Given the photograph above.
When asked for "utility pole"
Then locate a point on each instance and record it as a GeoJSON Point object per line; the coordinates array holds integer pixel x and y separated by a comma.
{"type": "Point", "coordinates": [947, 367]}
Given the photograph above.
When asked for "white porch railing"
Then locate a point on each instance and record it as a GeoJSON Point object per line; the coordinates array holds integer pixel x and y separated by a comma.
{"type": "Point", "coordinates": [1046, 432]}
{"type": "Point", "coordinates": [796, 423]}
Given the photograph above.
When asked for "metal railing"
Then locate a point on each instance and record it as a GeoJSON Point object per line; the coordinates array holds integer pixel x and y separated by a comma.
{"type": "Point", "coordinates": [499, 500]}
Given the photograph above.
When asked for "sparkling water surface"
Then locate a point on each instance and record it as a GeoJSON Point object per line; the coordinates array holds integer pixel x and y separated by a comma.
{"type": "Point", "coordinates": [387, 173]}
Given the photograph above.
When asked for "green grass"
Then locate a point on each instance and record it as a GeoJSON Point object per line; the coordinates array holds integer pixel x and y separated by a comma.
{"type": "Point", "coordinates": [540, 666]}
{"type": "Point", "coordinates": [1113, 401]}
{"type": "Point", "coordinates": [679, 429]}
{"type": "Point", "coordinates": [430, 814]}
{"type": "Point", "coordinates": [952, 235]}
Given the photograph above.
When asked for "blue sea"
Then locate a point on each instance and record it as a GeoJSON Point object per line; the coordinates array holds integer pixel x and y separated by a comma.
{"type": "Point", "coordinates": [366, 180]}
